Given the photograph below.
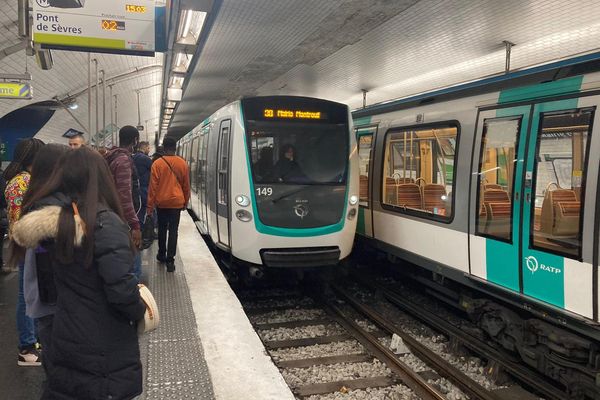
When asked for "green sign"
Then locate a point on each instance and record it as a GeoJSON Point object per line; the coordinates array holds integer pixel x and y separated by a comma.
{"type": "Point", "coordinates": [12, 90]}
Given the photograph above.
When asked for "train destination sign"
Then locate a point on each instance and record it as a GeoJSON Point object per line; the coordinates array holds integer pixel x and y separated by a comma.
{"type": "Point", "coordinates": [13, 90]}
{"type": "Point", "coordinates": [291, 114]}
{"type": "Point", "coordinates": [116, 26]}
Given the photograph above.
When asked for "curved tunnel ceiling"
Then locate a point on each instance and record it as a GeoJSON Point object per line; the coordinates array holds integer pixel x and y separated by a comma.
{"type": "Point", "coordinates": [392, 49]}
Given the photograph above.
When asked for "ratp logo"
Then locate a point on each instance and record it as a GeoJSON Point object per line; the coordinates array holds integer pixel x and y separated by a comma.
{"type": "Point", "coordinates": [301, 210]}
{"type": "Point", "coordinates": [43, 3]}
{"type": "Point", "coordinates": [532, 264]}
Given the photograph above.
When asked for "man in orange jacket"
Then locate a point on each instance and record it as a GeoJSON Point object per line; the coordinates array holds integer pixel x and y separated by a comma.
{"type": "Point", "coordinates": [169, 192]}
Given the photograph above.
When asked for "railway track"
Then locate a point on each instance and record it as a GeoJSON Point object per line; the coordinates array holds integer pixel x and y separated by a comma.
{"type": "Point", "coordinates": [530, 378]}
{"type": "Point", "coordinates": [335, 318]}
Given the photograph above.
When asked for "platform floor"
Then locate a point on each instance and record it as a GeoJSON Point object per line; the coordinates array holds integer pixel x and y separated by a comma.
{"type": "Point", "coordinates": [204, 348]}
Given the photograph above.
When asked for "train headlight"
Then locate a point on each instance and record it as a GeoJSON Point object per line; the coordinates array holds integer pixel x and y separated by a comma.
{"type": "Point", "coordinates": [353, 200]}
{"type": "Point", "coordinates": [352, 213]}
{"type": "Point", "coordinates": [242, 200]}
{"type": "Point", "coordinates": [243, 215]}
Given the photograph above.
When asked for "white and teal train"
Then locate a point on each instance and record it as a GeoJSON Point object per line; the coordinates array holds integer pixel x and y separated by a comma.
{"type": "Point", "coordinates": [275, 181]}
{"type": "Point", "coordinates": [492, 187]}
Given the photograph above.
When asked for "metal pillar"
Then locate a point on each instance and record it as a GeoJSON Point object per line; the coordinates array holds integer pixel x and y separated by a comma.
{"type": "Point", "coordinates": [508, 45]}
{"type": "Point", "coordinates": [89, 97]}
{"type": "Point", "coordinates": [138, 104]}
{"type": "Point", "coordinates": [116, 116]}
{"type": "Point", "coordinates": [364, 92]}
{"type": "Point", "coordinates": [97, 101]}
{"type": "Point", "coordinates": [103, 100]}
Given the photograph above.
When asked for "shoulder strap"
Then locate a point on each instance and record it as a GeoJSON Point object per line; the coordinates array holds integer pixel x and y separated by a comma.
{"type": "Point", "coordinates": [173, 171]}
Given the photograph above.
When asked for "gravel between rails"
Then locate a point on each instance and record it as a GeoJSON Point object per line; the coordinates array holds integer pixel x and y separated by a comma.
{"type": "Point", "coordinates": [300, 333]}
{"type": "Point", "coordinates": [296, 377]}
{"type": "Point", "coordinates": [396, 392]}
{"type": "Point", "coordinates": [293, 314]}
{"type": "Point", "coordinates": [471, 366]}
{"type": "Point", "coordinates": [319, 350]}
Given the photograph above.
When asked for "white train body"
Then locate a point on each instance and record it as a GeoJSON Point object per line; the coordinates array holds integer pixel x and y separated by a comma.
{"type": "Point", "coordinates": [263, 207]}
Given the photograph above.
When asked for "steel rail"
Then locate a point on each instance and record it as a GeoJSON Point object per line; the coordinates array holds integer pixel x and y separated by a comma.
{"type": "Point", "coordinates": [526, 375]}
{"type": "Point", "coordinates": [440, 365]}
{"type": "Point", "coordinates": [409, 377]}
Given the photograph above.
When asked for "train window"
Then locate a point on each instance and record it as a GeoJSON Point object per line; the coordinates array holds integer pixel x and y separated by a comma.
{"type": "Point", "coordinates": [294, 153]}
{"type": "Point", "coordinates": [496, 177]}
{"type": "Point", "coordinates": [223, 165]}
{"type": "Point", "coordinates": [365, 139]}
{"type": "Point", "coordinates": [418, 171]}
{"type": "Point", "coordinates": [559, 184]}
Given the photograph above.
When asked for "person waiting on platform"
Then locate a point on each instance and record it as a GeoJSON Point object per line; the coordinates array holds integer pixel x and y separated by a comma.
{"type": "Point", "coordinates": [287, 168]}
{"type": "Point", "coordinates": [18, 174]}
{"type": "Point", "coordinates": [76, 216]}
{"type": "Point", "coordinates": [76, 141]}
{"type": "Point", "coordinates": [169, 192]}
{"type": "Point", "coordinates": [143, 165]}
{"type": "Point", "coordinates": [38, 282]}
{"type": "Point", "coordinates": [128, 185]}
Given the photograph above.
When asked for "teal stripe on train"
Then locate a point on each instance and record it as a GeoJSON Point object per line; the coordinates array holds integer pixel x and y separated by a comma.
{"type": "Point", "coordinates": [548, 89]}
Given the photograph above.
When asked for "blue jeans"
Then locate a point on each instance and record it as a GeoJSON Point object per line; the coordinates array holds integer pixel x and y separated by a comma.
{"type": "Point", "coordinates": [137, 265]}
{"type": "Point", "coordinates": [25, 325]}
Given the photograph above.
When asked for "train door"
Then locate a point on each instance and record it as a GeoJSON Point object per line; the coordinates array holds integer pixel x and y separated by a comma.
{"type": "Point", "coordinates": [496, 193]}
{"type": "Point", "coordinates": [202, 184]}
{"type": "Point", "coordinates": [223, 183]}
{"type": "Point", "coordinates": [528, 228]}
{"type": "Point", "coordinates": [193, 166]}
{"type": "Point", "coordinates": [365, 137]}
{"type": "Point", "coordinates": [558, 229]}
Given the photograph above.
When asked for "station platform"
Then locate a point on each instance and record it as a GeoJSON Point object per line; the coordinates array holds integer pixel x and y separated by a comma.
{"type": "Point", "coordinates": [204, 348]}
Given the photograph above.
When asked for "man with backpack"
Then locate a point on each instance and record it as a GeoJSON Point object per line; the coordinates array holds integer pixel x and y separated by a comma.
{"type": "Point", "coordinates": [169, 192]}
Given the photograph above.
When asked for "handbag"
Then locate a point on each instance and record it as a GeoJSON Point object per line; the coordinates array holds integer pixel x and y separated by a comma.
{"type": "Point", "coordinates": [148, 232]}
{"type": "Point", "coordinates": [151, 316]}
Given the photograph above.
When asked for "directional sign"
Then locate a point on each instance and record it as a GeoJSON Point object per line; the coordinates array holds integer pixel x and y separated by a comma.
{"type": "Point", "coordinates": [115, 26]}
{"type": "Point", "coordinates": [12, 90]}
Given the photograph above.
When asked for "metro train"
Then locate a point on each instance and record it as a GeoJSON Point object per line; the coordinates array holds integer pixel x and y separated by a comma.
{"type": "Point", "coordinates": [275, 181]}
{"type": "Point", "coordinates": [490, 191]}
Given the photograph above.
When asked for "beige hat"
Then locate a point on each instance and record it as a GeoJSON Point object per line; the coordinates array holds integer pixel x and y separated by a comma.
{"type": "Point", "coordinates": [151, 316]}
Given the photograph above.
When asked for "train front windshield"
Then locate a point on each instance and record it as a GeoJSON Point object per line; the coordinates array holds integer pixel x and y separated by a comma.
{"type": "Point", "coordinates": [301, 154]}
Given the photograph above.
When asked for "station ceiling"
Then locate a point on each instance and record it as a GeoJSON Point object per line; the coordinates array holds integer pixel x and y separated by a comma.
{"type": "Point", "coordinates": [330, 49]}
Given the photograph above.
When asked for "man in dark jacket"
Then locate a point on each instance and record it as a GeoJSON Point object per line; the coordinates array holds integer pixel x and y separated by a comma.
{"type": "Point", "coordinates": [128, 187]}
{"type": "Point", "coordinates": [143, 164]}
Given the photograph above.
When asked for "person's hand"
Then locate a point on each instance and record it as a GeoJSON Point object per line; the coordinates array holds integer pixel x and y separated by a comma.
{"type": "Point", "coordinates": [136, 236]}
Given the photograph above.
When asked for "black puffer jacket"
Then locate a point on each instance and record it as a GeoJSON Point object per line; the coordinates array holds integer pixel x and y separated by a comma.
{"type": "Point", "coordinates": [94, 350]}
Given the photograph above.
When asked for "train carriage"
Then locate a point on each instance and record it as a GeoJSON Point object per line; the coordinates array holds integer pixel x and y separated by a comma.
{"type": "Point", "coordinates": [494, 185]}
{"type": "Point", "coordinates": [275, 180]}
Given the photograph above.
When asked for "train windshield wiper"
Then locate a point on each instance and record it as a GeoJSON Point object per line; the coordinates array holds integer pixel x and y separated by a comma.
{"type": "Point", "coordinates": [291, 192]}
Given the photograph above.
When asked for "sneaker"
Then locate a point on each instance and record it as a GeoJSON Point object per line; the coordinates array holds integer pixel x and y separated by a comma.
{"type": "Point", "coordinates": [30, 357]}
{"type": "Point", "coordinates": [160, 259]}
{"type": "Point", "coordinates": [170, 266]}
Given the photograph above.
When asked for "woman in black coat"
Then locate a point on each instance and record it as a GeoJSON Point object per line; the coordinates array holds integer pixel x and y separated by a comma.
{"type": "Point", "coordinates": [76, 216]}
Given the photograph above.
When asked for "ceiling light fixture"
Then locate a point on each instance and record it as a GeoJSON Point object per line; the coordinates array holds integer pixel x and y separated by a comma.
{"type": "Point", "coordinates": [190, 26]}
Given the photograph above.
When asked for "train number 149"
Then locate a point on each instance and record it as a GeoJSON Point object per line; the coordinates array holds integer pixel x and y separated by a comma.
{"type": "Point", "coordinates": [264, 191]}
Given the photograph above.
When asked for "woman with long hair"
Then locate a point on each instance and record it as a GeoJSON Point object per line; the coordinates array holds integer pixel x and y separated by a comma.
{"type": "Point", "coordinates": [76, 217]}
{"type": "Point", "coordinates": [38, 281]}
{"type": "Point", "coordinates": [17, 176]}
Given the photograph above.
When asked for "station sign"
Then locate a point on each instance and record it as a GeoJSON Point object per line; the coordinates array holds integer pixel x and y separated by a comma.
{"type": "Point", "coordinates": [115, 26]}
{"type": "Point", "coordinates": [14, 90]}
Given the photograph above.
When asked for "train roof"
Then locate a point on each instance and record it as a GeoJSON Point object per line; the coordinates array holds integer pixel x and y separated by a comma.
{"type": "Point", "coordinates": [543, 73]}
